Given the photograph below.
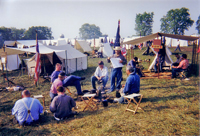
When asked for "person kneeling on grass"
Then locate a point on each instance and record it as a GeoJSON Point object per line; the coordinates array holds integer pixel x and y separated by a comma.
{"type": "Point", "coordinates": [62, 105]}
{"type": "Point", "coordinates": [132, 84]}
{"type": "Point", "coordinates": [27, 110]}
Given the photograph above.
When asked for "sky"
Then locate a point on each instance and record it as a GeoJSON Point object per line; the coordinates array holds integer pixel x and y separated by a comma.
{"type": "Point", "coordinates": [67, 16]}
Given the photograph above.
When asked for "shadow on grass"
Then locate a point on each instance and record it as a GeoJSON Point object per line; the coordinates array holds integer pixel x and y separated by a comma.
{"type": "Point", "coordinates": [172, 97]}
{"type": "Point", "coordinates": [6, 106]}
{"type": "Point", "coordinates": [23, 131]}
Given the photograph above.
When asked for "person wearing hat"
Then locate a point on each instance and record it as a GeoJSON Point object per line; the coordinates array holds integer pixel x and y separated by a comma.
{"type": "Point", "coordinates": [133, 64]}
{"type": "Point", "coordinates": [100, 75]}
{"type": "Point", "coordinates": [116, 72]}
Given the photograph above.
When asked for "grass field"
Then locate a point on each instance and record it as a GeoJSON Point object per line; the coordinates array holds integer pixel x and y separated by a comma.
{"type": "Point", "coordinates": [171, 107]}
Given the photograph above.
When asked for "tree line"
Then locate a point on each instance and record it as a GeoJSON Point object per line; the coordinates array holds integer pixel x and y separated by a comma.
{"type": "Point", "coordinates": [13, 34]}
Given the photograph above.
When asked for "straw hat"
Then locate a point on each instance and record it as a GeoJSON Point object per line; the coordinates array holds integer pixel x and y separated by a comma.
{"type": "Point", "coordinates": [117, 48]}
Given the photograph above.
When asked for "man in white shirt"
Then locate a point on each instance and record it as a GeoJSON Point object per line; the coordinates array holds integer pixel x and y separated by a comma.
{"type": "Point", "coordinates": [100, 75]}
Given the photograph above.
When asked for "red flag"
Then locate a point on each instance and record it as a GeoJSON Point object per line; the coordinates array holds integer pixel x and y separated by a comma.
{"type": "Point", "coordinates": [37, 59]}
{"type": "Point", "coordinates": [140, 46]}
{"type": "Point", "coordinates": [123, 51]}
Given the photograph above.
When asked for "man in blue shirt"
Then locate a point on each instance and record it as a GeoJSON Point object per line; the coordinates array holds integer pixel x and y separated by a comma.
{"type": "Point", "coordinates": [27, 109]}
{"type": "Point", "coordinates": [68, 80]}
{"type": "Point", "coordinates": [132, 84]}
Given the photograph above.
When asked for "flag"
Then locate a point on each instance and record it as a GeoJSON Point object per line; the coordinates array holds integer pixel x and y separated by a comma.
{"type": "Point", "coordinates": [117, 40]}
{"type": "Point", "coordinates": [123, 51]}
{"type": "Point", "coordinates": [140, 46]}
{"type": "Point", "coordinates": [37, 59]}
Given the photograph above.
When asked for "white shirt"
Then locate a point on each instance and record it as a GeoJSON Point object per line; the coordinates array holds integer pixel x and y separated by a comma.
{"type": "Point", "coordinates": [101, 72]}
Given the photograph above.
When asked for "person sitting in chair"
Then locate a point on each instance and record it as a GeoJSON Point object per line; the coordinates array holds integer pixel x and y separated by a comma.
{"type": "Point", "coordinates": [132, 84]}
{"type": "Point", "coordinates": [100, 75]}
{"type": "Point", "coordinates": [159, 62]}
{"type": "Point", "coordinates": [62, 105]}
{"type": "Point", "coordinates": [183, 65]}
{"type": "Point", "coordinates": [133, 63]}
{"type": "Point", "coordinates": [27, 110]}
{"type": "Point", "coordinates": [178, 60]}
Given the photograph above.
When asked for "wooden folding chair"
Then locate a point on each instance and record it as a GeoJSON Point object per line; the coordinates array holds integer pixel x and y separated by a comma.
{"type": "Point", "coordinates": [68, 90]}
{"type": "Point", "coordinates": [131, 97]}
{"type": "Point", "coordinates": [90, 103]}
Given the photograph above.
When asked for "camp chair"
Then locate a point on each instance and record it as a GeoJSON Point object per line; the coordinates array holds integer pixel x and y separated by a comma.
{"type": "Point", "coordinates": [90, 103]}
{"type": "Point", "coordinates": [68, 90]}
{"type": "Point", "coordinates": [129, 98]}
{"type": "Point", "coordinates": [182, 74]}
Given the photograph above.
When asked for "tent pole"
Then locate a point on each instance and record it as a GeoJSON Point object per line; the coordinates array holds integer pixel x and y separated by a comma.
{"type": "Point", "coordinates": [76, 64]}
{"type": "Point", "coordinates": [44, 66]}
{"type": "Point", "coordinates": [22, 67]}
{"type": "Point", "coordinates": [66, 66]}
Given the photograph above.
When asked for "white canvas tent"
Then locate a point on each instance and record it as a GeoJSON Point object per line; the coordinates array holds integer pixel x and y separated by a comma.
{"type": "Point", "coordinates": [106, 50]}
{"type": "Point", "coordinates": [80, 44]}
{"type": "Point", "coordinates": [168, 60]}
{"type": "Point", "coordinates": [13, 62]}
{"type": "Point", "coordinates": [75, 59]}
{"type": "Point", "coordinates": [171, 42]}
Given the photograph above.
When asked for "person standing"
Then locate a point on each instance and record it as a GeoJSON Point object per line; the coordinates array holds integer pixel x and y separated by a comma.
{"type": "Point", "coordinates": [116, 72]}
{"type": "Point", "coordinates": [178, 46]}
{"type": "Point", "coordinates": [100, 75]}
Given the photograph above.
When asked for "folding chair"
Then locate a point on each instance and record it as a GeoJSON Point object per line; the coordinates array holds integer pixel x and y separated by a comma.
{"type": "Point", "coordinates": [131, 97]}
{"type": "Point", "coordinates": [68, 90]}
{"type": "Point", "coordinates": [90, 103]}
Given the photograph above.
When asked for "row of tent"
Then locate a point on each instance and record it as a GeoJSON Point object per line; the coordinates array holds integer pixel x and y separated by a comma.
{"type": "Point", "coordinates": [63, 50]}
{"type": "Point", "coordinates": [71, 59]}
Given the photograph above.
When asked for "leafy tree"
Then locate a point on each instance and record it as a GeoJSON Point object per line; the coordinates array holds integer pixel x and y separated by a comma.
{"type": "Point", "coordinates": [198, 25]}
{"type": "Point", "coordinates": [43, 33]}
{"type": "Point", "coordinates": [88, 31]}
{"type": "Point", "coordinates": [176, 21]}
{"type": "Point", "coordinates": [144, 23]}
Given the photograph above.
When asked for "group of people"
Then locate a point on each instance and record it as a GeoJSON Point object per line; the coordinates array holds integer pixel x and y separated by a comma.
{"type": "Point", "coordinates": [27, 110]}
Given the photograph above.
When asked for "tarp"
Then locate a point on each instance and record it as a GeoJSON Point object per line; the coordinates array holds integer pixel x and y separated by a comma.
{"type": "Point", "coordinates": [80, 44]}
{"type": "Point", "coordinates": [155, 35]}
{"type": "Point", "coordinates": [106, 49]}
{"type": "Point", "coordinates": [13, 62]}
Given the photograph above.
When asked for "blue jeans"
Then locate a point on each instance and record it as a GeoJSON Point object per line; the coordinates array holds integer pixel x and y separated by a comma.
{"type": "Point", "coordinates": [93, 79]}
{"type": "Point", "coordinates": [174, 70]}
{"type": "Point", "coordinates": [178, 47]}
{"type": "Point", "coordinates": [116, 72]}
{"type": "Point", "coordinates": [52, 95]}
{"type": "Point", "coordinates": [73, 81]}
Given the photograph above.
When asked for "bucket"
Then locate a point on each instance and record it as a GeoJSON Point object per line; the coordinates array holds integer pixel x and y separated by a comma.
{"type": "Point", "coordinates": [105, 103]}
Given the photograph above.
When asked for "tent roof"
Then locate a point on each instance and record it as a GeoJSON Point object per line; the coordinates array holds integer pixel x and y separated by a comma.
{"type": "Point", "coordinates": [71, 52]}
{"type": "Point", "coordinates": [153, 36]}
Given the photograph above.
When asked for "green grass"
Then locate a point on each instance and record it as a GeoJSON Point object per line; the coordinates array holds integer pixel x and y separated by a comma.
{"type": "Point", "coordinates": [171, 107]}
